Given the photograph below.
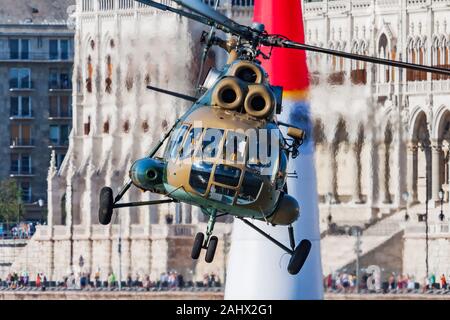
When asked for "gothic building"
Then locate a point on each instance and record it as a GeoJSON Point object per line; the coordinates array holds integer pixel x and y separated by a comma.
{"type": "Point", "coordinates": [381, 137]}
{"type": "Point", "coordinates": [382, 133]}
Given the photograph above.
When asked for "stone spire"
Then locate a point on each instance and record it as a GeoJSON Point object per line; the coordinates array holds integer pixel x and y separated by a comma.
{"type": "Point", "coordinates": [52, 168]}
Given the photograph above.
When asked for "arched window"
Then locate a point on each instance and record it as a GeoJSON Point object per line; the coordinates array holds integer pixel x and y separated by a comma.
{"type": "Point", "coordinates": [337, 74]}
{"type": "Point", "coordinates": [359, 72]}
{"type": "Point", "coordinates": [126, 126]}
{"type": "Point", "coordinates": [90, 71]}
{"type": "Point", "coordinates": [393, 57]}
{"type": "Point", "coordinates": [145, 126]}
{"type": "Point", "coordinates": [383, 49]}
{"type": "Point", "coordinates": [108, 78]}
{"type": "Point", "coordinates": [87, 126]}
{"type": "Point", "coordinates": [436, 58]}
{"type": "Point", "coordinates": [106, 127]}
{"type": "Point", "coordinates": [411, 74]}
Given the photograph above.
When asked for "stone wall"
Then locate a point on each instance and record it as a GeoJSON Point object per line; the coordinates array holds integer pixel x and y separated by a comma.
{"type": "Point", "coordinates": [165, 249]}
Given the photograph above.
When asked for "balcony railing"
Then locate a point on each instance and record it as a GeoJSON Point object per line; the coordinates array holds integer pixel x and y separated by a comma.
{"type": "Point", "coordinates": [22, 115]}
{"type": "Point", "coordinates": [59, 86]}
{"type": "Point", "coordinates": [15, 85]}
{"type": "Point", "coordinates": [59, 143]}
{"type": "Point", "coordinates": [61, 114]}
{"type": "Point", "coordinates": [35, 56]}
{"type": "Point", "coordinates": [16, 142]}
{"type": "Point", "coordinates": [21, 171]}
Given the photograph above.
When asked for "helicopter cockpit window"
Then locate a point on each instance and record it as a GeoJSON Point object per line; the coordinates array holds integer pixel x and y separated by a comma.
{"type": "Point", "coordinates": [234, 147]}
{"type": "Point", "coordinates": [187, 151]}
{"type": "Point", "coordinates": [175, 142]}
{"type": "Point", "coordinates": [250, 188]}
{"type": "Point", "coordinates": [227, 175]}
{"type": "Point", "coordinates": [211, 143]}
{"type": "Point", "coordinates": [222, 194]}
{"type": "Point", "coordinates": [199, 177]}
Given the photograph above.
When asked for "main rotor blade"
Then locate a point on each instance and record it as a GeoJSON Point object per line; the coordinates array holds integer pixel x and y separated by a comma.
{"type": "Point", "coordinates": [387, 62]}
{"type": "Point", "coordinates": [174, 94]}
{"type": "Point", "coordinates": [207, 12]}
{"type": "Point", "coordinates": [163, 7]}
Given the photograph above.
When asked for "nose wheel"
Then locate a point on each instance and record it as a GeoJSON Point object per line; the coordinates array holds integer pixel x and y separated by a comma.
{"type": "Point", "coordinates": [209, 244]}
{"type": "Point", "coordinates": [198, 245]}
{"type": "Point", "coordinates": [299, 256]}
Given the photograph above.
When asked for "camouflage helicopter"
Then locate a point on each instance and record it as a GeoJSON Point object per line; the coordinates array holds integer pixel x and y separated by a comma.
{"type": "Point", "coordinates": [213, 158]}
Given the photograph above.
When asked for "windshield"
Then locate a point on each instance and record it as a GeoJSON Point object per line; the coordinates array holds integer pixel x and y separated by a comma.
{"type": "Point", "coordinates": [175, 142]}
{"type": "Point", "coordinates": [199, 177]}
{"type": "Point", "coordinates": [227, 175]}
{"type": "Point", "coordinates": [187, 151]}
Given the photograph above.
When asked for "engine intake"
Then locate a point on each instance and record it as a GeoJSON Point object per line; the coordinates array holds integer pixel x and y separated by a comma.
{"type": "Point", "coordinates": [228, 94]}
{"type": "Point", "coordinates": [247, 71]}
{"type": "Point", "coordinates": [260, 102]}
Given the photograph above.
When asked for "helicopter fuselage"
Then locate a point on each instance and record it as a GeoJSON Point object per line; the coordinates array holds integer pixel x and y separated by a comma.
{"type": "Point", "coordinates": [197, 170]}
{"type": "Point", "coordinates": [227, 154]}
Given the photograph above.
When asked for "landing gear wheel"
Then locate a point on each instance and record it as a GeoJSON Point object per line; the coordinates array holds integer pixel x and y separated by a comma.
{"type": "Point", "coordinates": [198, 244]}
{"type": "Point", "coordinates": [211, 250]}
{"type": "Point", "coordinates": [299, 256]}
{"type": "Point", "coordinates": [106, 206]}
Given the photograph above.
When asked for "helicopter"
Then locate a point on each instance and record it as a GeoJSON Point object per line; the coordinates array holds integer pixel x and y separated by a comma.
{"type": "Point", "coordinates": [227, 154]}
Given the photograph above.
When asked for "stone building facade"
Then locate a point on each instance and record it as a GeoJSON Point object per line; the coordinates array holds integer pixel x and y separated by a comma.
{"type": "Point", "coordinates": [379, 132]}
{"type": "Point", "coordinates": [382, 133]}
{"type": "Point", "coordinates": [120, 47]}
{"type": "Point", "coordinates": [36, 58]}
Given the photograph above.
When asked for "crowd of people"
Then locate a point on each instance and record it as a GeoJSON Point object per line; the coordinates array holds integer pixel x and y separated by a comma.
{"type": "Point", "coordinates": [76, 281]}
{"type": "Point", "coordinates": [346, 282]}
{"type": "Point", "coordinates": [22, 230]}
{"type": "Point", "coordinates": [19, 280]}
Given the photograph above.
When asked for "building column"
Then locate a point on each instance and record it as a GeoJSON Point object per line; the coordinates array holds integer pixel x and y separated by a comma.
{"type": "Point", "coordinates": [356, 193]}
{"type": "Point", "coordinates": [332, 189]}
{"type": "Point", "coordinates": [186, 213]}
{"type": "Point", "coordinates": [412, 172]}
{"type": "Point", "coordinates": [436, 149]}
{"type": "Point", "coordinates": [382, 174]}
{"type": "Point", "coordinates": [445, 168]}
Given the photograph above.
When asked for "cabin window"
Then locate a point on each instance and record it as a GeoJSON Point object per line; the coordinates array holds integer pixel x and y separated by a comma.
{"type": "Point", "coordinates": [200, 174]}
{"type": "Point", "coordinates": [175, 142]}
{"type": "Point", "coordinates": [227, 175]}
{"type": "Point", "coordinates": [250, 188]}
{"type": "Point", "coordinates": [222, 194]}
{"type": "Point", "coordinates": [211, 143]}
{"type": "Point", "coordinates": [234, 147]}
{"type": "Point", "coordinates": [187, 151]}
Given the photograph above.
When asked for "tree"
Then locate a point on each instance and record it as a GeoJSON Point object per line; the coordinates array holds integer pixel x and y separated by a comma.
{"type": "Point", "coordinates": [10, 201]}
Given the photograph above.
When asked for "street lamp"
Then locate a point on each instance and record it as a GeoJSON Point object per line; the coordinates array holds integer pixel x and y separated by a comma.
{"type": "Point", "coordinates": [425, 147]}
{"type": "Point", "coordinates": [40, 203]}
{"type": "Point", "coordinates": [405, 196]}
{"type": "Point", "coordinates": [441, 197]}
{"type": "Point", "coordinates": [357, 231]}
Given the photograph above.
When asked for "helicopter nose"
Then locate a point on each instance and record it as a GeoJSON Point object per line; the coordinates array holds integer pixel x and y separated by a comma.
{"type": "Point", "coordinates": [147, 173]}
